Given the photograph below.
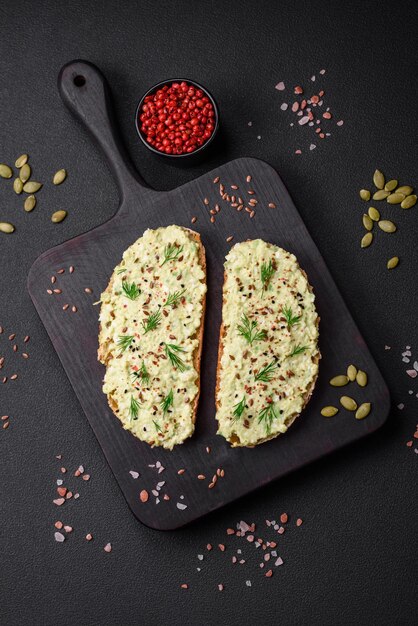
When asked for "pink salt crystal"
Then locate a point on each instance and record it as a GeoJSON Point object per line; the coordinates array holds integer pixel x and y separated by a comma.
{"type": "Point", "coordinates": [250, 538]}
{"type": "Point", "coordinates": [412, 373]}
{"type": "Point", "coordinates": [284, 106]}
{"type": "Point", "coordinates": [89, 537]}
{"type": "Point", "coordinates": [304, 120]}
{"type": "Point", "coordinates": [295, 107]}
{"type": "Point", "coordinates": [108, 547]}
{"type": "Point", "coordinates": [59, 501]}
{"type": "Point", "coordinates": [280, 86]}
{"type": "Point", "coordinates": [59, 537]}
{"type": "Point", "coordinates": [279, 561]}
{"type": "Point", "coordinates": [68, 529]}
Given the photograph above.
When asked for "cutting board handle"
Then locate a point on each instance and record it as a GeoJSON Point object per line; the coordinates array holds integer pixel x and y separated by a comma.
{"type": "Point", "coordinates": [86, 93]}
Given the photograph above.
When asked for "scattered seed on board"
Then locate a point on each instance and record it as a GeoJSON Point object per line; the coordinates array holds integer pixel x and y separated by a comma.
{"type": "Point", "coordinates": [329, 411]}
{"type": "Point", "coordinates": [387, 226]}
{"type": "Point", "coordinates": [367, 240]}
{"type": "Point", "coordinates": [6, 227]}
{"type": "Point", "coordinates": [30, 203]}
{"type": "Point", "coordinates": [363, 411]}
{"type": "Point", "coordinates": [392, 263]}
{"type": "Point", "coordinates": [230, 238]}
{"type": "Point", "coordinates": [365, 194]}
{"type": "Point", "coordinates": [409, 202]}
{"type": "Point", "coordinates": [74, 309]}
{"type": "Point", "coordinates": [193, 220]}
{"type": "Point", "coordinates": [25, 172]}
{"type": "Point", "coordinates": [405, 189]}
{"type": "Point", "coordinates": [351, 373]}
{"type": "Point", "coordinates": [31, 186]}
{"type": "Point", "coordinates": [381, 194]}
{"type": "Point", "coordinates": [378, 179]}
{"type": "Point", "coordinates": [361, 378]}
{"type": "Point", "coordinates": [17, 186]}
{"type": "Point", "coordinates": [272, 205]}
{"type": "Point", "coordinates": [20, 162]}
{"type": "Point", "coordinates": [339, 381]}
{"type": "Point", "coordinates": [391, 185]}
{"type": "Point", "coordinates": [374, 214]}
{"type": "Point", "coordinates": [248, 179]}
{"type": "Point", "coordinates": [58, 216]}
{"type": "Point", "coordinates": [367, 222]}
{"type": "Point", "coordinates": [5, 171]}
{"type": "Point", "coordinates": [348, 403]}
{"type": "Point", "coordinates": [59, 177]}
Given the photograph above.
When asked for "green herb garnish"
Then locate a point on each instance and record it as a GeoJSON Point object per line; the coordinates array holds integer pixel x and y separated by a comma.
{"type": "Point", "coordinates": [289, 317]}
{"type": "Point", "coordinates": [267, 415]}
{"type": "Point", "coordinates": [157, 426]}
{"type": "Point", "coordinates": [142, 374]}
{"type": "Point", "coordinates": [173, 299]}
{"type": "Point", "coordinates": [152, 321]}
{"type": "Point", "coordinates": [239, 409]}
{"type": "Point", "coordinates": [171, 253]}
{"type": "Point", "coordinates": [247, 330]}
{"type": "Point", "coordinates": [298, 350]}
{"type": "Point", "coordinates": [125, 341]}
{"type": "Point", "coordinates": [266, 374]}
{"type": "Point", "coordinates": [171, 351]}
{"type": "Point", "coordinates": [134, 408]}
{"type": "Point", "coordinates": [267, 271]}
{"type": "Point", "coordinates": [131, 291]}
{"type": "Point", "coordinates": [121, 270]}
{"type": "Point", "coordinates": [167, 403]}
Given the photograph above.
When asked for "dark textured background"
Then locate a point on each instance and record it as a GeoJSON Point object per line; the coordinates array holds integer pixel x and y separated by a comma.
{"type": "Point", "coordinates": [354, 559]}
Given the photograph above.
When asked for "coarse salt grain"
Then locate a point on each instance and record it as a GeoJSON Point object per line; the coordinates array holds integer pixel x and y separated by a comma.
{"type": "Point", "coordinates": [134, 474]}
{"type": "Point", "coordinates": [280, 86]}
{"type": "Point", "coordinates": [108, 547]}
{"type": "Point", "coordinates": [59, 537]}
{"type": "Point", "coordinates": [181, 506]}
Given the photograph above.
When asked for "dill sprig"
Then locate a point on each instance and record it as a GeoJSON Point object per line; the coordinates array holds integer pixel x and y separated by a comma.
{"type": "Point", "coordinates": [157, 426]}
{"type": "Point", "coordinates": [247, 330]}
{"type": "Point", "coordinates": [152, 321]}
{"type": "Point", "coordinates": [168, 401]}
{"type": "Point", "coordinates": [125, 341]}
{"type": "Point", "coordinates": [131, 290]}
{"type": "Point", "coordinates": [267, 271]}
{"type": "Point", "coordinates": [121, 270]}
{"type": "Point", "coordinates": [291, 319]}
{"type": "Point", "coordinates": [267, 373]}
{"type": "Point", "coordinates": [134, 408]}
{"type": "Point", "coordinates": [171, 252]}
{"type": "Point", "coordinates": [298, 349]}
{"type": "Point", "coordinates": [171, 351]}
{"type": "Point", "coordinates": [267, 415]}
{"type": "Point", "coordinates": [173, 299]}
{"type": "Point", "coordinates": [239, 409]}
{"type": "Point", "coordinates": [142, 374]}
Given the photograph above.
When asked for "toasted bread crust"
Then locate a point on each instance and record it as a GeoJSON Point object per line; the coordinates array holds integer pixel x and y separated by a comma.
{"type": "Point", "coordinates": [104, 355]}
{"type": "Point", "coordinates": [307, 396]}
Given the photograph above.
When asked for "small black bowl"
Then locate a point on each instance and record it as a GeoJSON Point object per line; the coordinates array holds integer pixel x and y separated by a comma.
{"type": "Point", "coordinates": [186, 155]}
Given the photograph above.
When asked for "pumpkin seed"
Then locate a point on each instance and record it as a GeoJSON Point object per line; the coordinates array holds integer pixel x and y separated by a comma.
{"type": "Point", "coordinates": [30, 204]}
{"type": "Point", "coordinates": [348, 403]}
{"type": "Point", "coordinates": [391, 185]}
{"type": "Point", "coordinates": [31, 186]}
{"type": "Point", "coordinates": [395, 198]}
{"type": "Point", "coordinates": [381, 194]}
{"type": "Point", "coordinates": [392, 263]}
{"type": "Point", "coordinates": [374, 214]}
{"type": "Point", "coordinates": [405, 189]}
{"type": "Point", "coordinates": [17, 185]}
{"type": "Point", "coordinates": [367, 240]}
{"type": "Point", "coordinates": [21, 161]}
{"type": "Point", "coordinates": [363, 410]}
{"type": "Point", "coordinates": [378, 179]}
{"type": "Point", "coordinates": [365, 194]}
{"type": "Point", "coordinates": [409, 202]}
{"type": "Point", "coordinates": [6, 227]}
{"type": "Point", "coordinates": [58, 216]}
{"type": "Point", "coordinates": [339, 381]}
{"type": "Point", "coordinates": [387, 226]}
{"type": "Point", "coordinates": [361, 378]}
{"type": "Point", "coordinates": [25, 172]}
{"type": "Point", "coordinates": [367, 222]}
{"type": "Point", "coordinates": [5, 171]}
{"type": "Point", "coordinates": [329, 411]}
{"type": "Point", "coordinates": [59, 177]}
{"type": "Point", "coordinates": [352, 372]}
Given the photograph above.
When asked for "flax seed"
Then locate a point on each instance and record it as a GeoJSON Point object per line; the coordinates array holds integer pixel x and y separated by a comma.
{"type": "Point", "coordinates": [61, 271]}
{"type": "Point", "coordinates": [201, 477]}
{"type": "Point", "coordinates": [53, 279]}
{"type": "Point", "coordinates": [252, 213]}
{"type": "Point", "coordinates": [6, 425]}
{"type": "Point", "coordinates": [222, 473]}
{"type": "Point", "coordinates": [205, 201]}
{"type": "Point", "coordinates": [272, 205]}
{"type": "Point", "coordinates": [211, 485]}
{"type": "Point", "coordinates": [74, 309]}
{"type": "Point", "coordinates": [26, 339]}
{"type": "Point", "coordinates": [234, 187]}
{"type": "Point", "coordinates": [248, 179]}
{"type": "Point", "coordinates": [13, 377]}
{"type": "Point", "coordinates": [194, 220]}
{"type": "Point", "coordinates": [15, 348]}
{"type": "Point", "coordinates": [71, 270]}
{"type": "Point", "coordinates": [181, 471]}
{"type": "Point", "coordinates": [212, 219]}
{"type": "Point", "coordinates": [216, 180]}
{"type": "Point", "coordinates": [12, 336]}
{"type": "Point", "coordinates": [251, 192]}
{"type": "Point", "coordinates": [58, 291]}
{"type": "Point", "coordinates": [230, 238]}
{"type": "Point", "coordinates": [65, 307]}
{"type": "Point", "coordinates": [240, 207]}
{"type": "Point", "coordinates": [49, 292]}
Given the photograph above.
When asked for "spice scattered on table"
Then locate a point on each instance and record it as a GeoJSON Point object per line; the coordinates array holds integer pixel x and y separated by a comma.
{"type": "Point", "coordinates": [341, 380]}
{"type": "Point", "coordinates": [306, 105]}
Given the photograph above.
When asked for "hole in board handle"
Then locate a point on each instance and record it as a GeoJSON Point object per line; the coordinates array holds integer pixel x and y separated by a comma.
{"type": "Point", "coordinates": [79, 80]}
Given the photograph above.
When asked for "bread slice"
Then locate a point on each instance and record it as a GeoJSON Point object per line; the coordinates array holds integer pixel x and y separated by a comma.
{"type": "Point", "coordinates": [150, 335]}
{"type": "Point", "coordinates": [268, 348]}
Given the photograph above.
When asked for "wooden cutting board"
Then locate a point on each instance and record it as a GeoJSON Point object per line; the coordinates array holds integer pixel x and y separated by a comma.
{"type": "Point", "coordinates": [74, 334]}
